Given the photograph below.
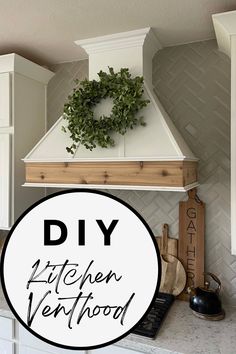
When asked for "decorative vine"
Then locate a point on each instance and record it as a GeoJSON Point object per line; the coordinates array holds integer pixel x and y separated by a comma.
{"type": "Point", "coordinates": [90, 131]}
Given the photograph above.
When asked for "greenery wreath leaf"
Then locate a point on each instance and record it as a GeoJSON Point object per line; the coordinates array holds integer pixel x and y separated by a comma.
{"type": "Point", "coordinates": [127, 95]}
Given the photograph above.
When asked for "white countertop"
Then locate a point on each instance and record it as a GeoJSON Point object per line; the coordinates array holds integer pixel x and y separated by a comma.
{"type": "Point", "coordinates": [181, 332]}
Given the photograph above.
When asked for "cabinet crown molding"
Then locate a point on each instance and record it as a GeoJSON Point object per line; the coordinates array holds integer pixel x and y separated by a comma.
{"type": "Point", "coordinates": [15, 63]}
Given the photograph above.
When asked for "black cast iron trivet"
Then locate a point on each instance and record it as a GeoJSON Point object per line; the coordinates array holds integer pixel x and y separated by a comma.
{"type": "Point", "coordinates": [152, 322]}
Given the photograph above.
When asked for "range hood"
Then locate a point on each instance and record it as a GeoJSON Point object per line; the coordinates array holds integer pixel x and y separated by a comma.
{"type": "Point", "coordinates": [154, 157]}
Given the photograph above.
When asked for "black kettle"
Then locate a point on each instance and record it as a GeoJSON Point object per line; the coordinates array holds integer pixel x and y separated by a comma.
{"type": "Point", "coordinates": [205, 302]}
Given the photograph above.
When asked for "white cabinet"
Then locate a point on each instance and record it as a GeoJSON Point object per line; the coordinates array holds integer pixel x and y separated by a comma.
{"type": "Point", "coordinates": [6, 336]}
{"type": "Point", "coordinates": [6, 328]}
{"type": "Point", "coordinates": [225, 29]}
{"type": "Point", "coordinates": [5, 162]}
{"type": "Point", "coordinates": [28, 350]}
{"type": "Point", "coordinates": [15, 339]}
{"type": "Point", "coordinates": [22, 122]}
{"type": "Point", "coordinates": [25, 350]}
{"type": "Point", "coordinates": [6, 347]}
{"type": "Point", "coordinates": [5, 115]}
{"type": "Point", "coordinates": [28, 341]}
{"type": "Point", "coordinates": [233, 142]}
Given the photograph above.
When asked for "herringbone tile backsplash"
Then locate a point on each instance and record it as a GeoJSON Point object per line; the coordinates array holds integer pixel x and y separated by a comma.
{"type": "Point", "coordinates": [193, 83]}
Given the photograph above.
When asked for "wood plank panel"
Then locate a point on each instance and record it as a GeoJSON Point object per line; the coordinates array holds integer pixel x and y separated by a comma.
{"type": "Point", "coordinates": [148, 173]}
{"type": "Point", "coordinates": [189, 172]}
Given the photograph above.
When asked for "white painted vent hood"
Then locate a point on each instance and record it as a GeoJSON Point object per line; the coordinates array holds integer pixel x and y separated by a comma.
{"type": "Point", "coordinates": [154, 157]}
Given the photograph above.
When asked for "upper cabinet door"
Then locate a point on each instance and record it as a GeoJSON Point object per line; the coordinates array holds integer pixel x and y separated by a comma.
{"type": "Point", "coordinates": [4, 181]}
{"type": "Point", "coordinates": [5, 100]}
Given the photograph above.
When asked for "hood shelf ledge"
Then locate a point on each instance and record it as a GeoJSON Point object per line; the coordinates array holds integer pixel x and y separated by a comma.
{"type": "Point", "coordinates": [121, 187]}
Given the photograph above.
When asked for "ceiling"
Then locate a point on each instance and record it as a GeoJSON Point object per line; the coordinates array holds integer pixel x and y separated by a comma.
{"type": "Point", "coordinates": [45, 30]}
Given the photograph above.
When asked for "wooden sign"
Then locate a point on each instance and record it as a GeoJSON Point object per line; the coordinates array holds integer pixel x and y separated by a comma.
{"type": "Point", "coordinates": [191, 240]}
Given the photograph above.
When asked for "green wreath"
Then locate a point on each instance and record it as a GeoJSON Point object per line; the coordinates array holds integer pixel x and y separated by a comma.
{"type": "Point", "coordinates": [90, 131]}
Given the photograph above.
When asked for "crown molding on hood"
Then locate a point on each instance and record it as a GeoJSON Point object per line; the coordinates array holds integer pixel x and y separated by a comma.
{"type": "Point", "coordinates": [119, 41]}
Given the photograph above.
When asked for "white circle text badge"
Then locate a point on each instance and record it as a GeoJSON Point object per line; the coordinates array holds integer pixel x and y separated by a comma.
{"type": "Point", "coordinates": [80, 269]}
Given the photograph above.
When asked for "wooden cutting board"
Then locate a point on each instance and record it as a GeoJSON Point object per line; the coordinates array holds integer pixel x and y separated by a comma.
{"type": "Point", "coordinates": [173, 277]}
{"type": "Point", "coordinates": [170, 244]}
{"type": "Point", "coordinates": [191, 240]}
